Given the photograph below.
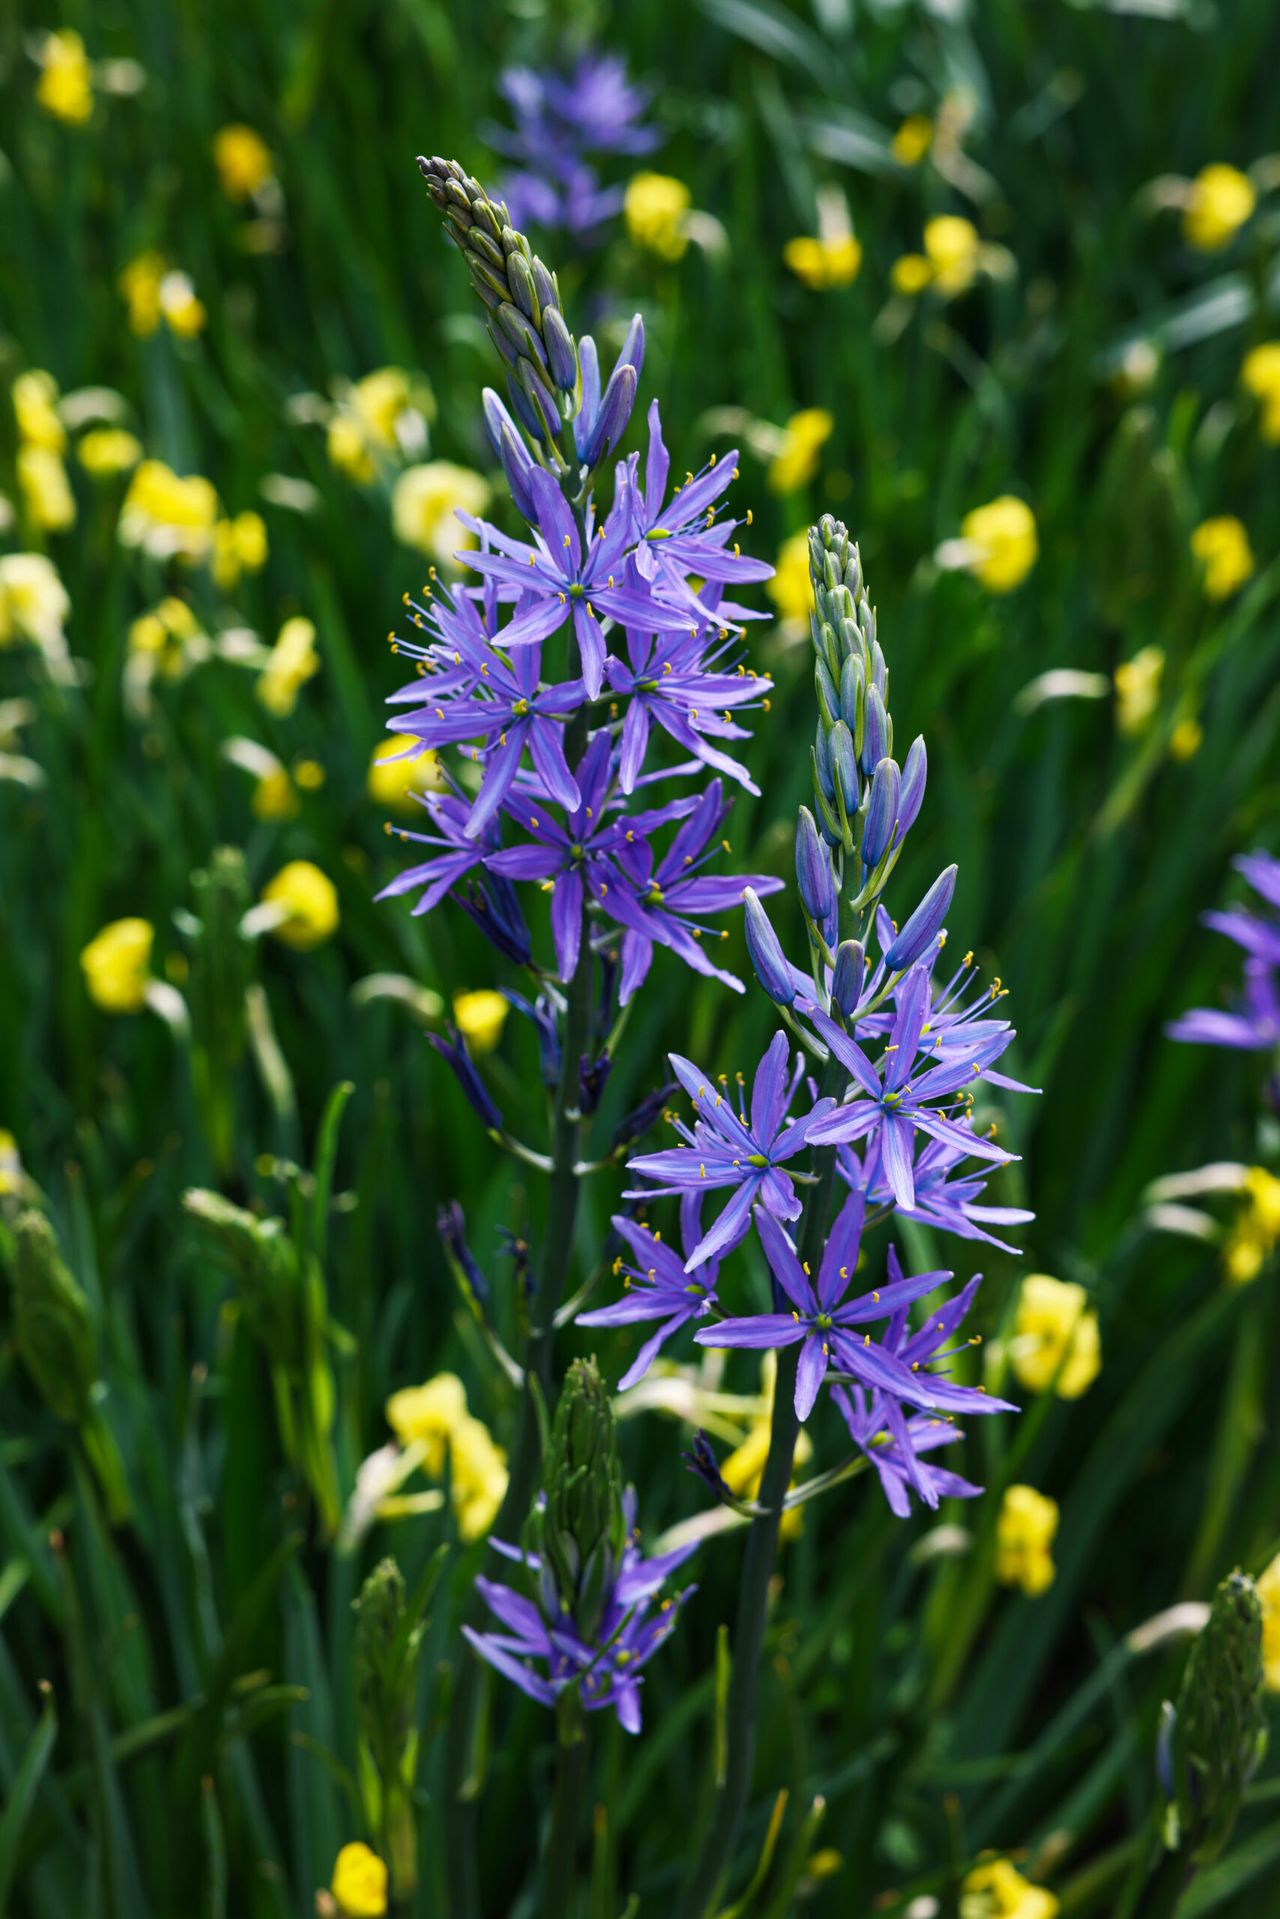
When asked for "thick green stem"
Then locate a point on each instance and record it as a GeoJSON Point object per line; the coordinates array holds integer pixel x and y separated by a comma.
{"type": "Point", "coordinates": [559, 1880]}
{"type": "Point", "coordinates": [753, 1598]}
{"type": "Point", "coordinates": [1166, 1888]}
{"type": "Point", "coordinates": [553, 1266]}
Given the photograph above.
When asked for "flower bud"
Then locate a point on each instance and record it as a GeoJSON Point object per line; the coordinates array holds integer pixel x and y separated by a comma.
{"type": "Point", "coordinates": [765, 952]}
{"type": "Point", "coordinates": [853, 694]}
{"type": "Point", "coordinates": [452, 1050]}
{"type": "Point", "coordinates": [922, 929]}
{"type": "Point", "coordinates": [915, 769]}
{"type": "Point", "coordinates": [582, 1525]}
{"type": "Point", "coordinates": [52, 1324]}
{"type": "Point", "coordinates": [562, 355]}
{"type": "Point", "coordinates": [844, 768]}
{"type": "Point", "coordinates": [1219, 1731]}
{"type": "Point", "coordinates": [850, 973]}
{"type": "Point", "coordinates": [877, 735]}
{"type": "Point", "coordinates": [882, 813]}
{"type": "Point", "coordinates": [814, 876]}
{"type": "Point", "coordinates": [451, 1224]}
{"type": "Point", "coordinates": [615, 412]}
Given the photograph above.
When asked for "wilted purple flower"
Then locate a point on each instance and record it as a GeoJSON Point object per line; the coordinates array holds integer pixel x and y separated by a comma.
{"type": "Point", "coordinates": [1255, 1024]}
{"type": "Point", "coordinates": [658, 1287]}
{"type": "Point", "coordinates": [735, 1150]}
{"type": "Point", "coordinates": [828, 1324]}
{"type": "Point", "coordinates": [893, 1440]}
{"type": "Point", "coordinates": [607, 1666]}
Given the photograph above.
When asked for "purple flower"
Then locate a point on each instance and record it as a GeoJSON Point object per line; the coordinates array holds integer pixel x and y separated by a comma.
{"type": "Point", "coordinates": [892, 1104]}
{"type": "Point", "coordinates": [607, 1666]}
{"type": "Point", "coordinates": [458, 854]}
{"type": "Point", "coordinates": [1255, 1025]}
{"type": "Point", "coordinates": [680, 535]}
{"type": "Point", "coordinates": [452, 1048]}
{"type": "Point", "coordinates": [658, 1287]}
{"type": "Point", "coordinates": [735, 1150]}
{"type": "Point", "coordinates": [893, 1440]}
{"type": "Point", "coordinates": [672, 681]}
{"type": "Point", "coordinates": [828, 1325]}
{"type": "Point", "coordinates": [946, 1196]}
{"type": "Point", "coordinates": [561, 120]}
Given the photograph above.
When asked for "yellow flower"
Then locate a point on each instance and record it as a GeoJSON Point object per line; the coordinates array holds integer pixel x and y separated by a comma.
{"type": "Point", "coordinates": [239, 546]}
{"type": "Point", "coordinates": [1260, 376]}
{"type": "Point", "coordinates": [1256, 1232]}
{"type": "Point", "coordinates": [393, 781]}
{"type": "Point", "coordinates": [434, 1418]}
{"type": "Point", "coordinates": [1269, 1594]}
{"type": "Point", "coordinates": [426, 500]}
{"type": "Point", "coordinates": [116, 965]}
{"type": "Point", "coordinates": [347, 451]}
{"type": "Point", "coordinates": [34, 603]}
{"type": "Point", "coordinates": [481, 1017]}
{"type": "Point", "coordinates": [243, 160]}
{"type": "Point", "coordinates": [168, 516]}
{"type": "Point", "coordinates": [790, 588]}
{"type": "Point", "coordinates": [656, 207]}
{"type": "Point", "coordinates": [1054, 1324]}
{"type": "Point", "coordinates": [311, 903]}
{"type": "Point", "coordinates": [290, 664]}
{"type": "Point", "coordinates": [46, 488]}
{"type": "Point", "coordinates": [35, 406]}
{"type": "Point", "coordinates": [65, 86]}
{"type": "Point", "coordinates": [10, 1163]}
{"type": "Point", "coordinates": [140, 285]}
{"type": "Point", "coordinates": [1024, 1538]}
{"type": "Point", "coordinates": [1222, 547]}
{"type": "Point", "coordinates": [309, 775]}
{"type": "Point", "coordinates": [910, 274]}
{"type": "Point", "coordinates": [803, 437]}
{"type": "Point", "coordinates": [824, 263]}
{"type": "Point", "coordinates": [997, 1890]}
{"type": "Point", "coordinates": [369, 418]}
{"type": "Point", "coordinates": [953, 251]}
{"type": "Point", "coordinates": [912, 140]}
{"type": "Point", "coordinates": [108, 449]}
{"type": "Point", "coordinates": [359, 1883]}
{"type": "Point", "coordinates": [164, 635]}
{"type": "Point", "coordinates": [427, 1415]}
{"type": "Point", "coordinates": [1219, 201]}
{"type": "Point", "coordinates": [1003, 536]}
{"type": "Point", "coordinates": [1138, 689]}
{"type": "Point", "coordinates": [1186, 740]}
{"type": "Point", "coordinates": [180, 306]}
{"type": "Point", "coordinates": [479, 1471]}
{"type": "Point", "coordinates": [273, 796]}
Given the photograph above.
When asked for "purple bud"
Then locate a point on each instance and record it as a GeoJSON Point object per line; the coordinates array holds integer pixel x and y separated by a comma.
{"type": "Point", "coordinates": [875, 734]}
{"type": "Point", "coordinates": [641, 1118]}
{"type": "Point", "coordinates": [823, 771]}
{"type": "Point", "coordinates": [882, 813]}
{"type": "Point", "coordinates": [496, 417]}
{"type": "Point", "coordinates": [825, 689]}
{"type": "Point", "coordinates": [589, 361]}
{"type": "Point", "coordinates": [518, 467]}
{"type": "Point", "coordinates": [852, 681]}
{"type": "Point", "coordinates": [915, 772]}
{"type": "Point", "coordinates": [526, 413]}
{"type": "Point", "coordinates": [593, 1075]}
{"type": "Point", "coordinates": [922, 929]}
{"type": "Point", "coordinates": [542, 1016]}
{"type": "Point", "coordinates": [519, 332]}
{"type": "Point", "coordinates": [847, 980]}
{"type": "Point", "coordinates": [702, 1461]}
{"type": "Point", "coordinates": [452, 1050]}
{"type": "Point", "coordinates": [632, 353]}
{"type": "Point", "coordinates": [615, 411]}
{"type": "Point", "coordinates": [562, 355]}
{"type": "Point", "coordinates": [544, 285]}
{"type": "Point", "coordinates": [844, 767]}
{"type": "Point", "coordinates": [814, 877]}
{"type": "Point", "coordinates": [495, 909]}
{"type": "Point", "coordinates": [451, 1224]}
{"type": "Point", "coordinates": [766, 954]}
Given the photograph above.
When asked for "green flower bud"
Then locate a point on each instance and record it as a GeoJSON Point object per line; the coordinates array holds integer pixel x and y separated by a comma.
{"type": "Point", "coordinates": [52, 1323]}
{"type": "Point", "coordinates": [582, 1526]}
{"type": "Point", "coordinates": [1218, 1734]}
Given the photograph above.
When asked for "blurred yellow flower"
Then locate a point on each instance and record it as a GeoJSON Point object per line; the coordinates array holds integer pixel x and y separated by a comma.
{"type": "Point", "coordinates": [912, 140]}
{"type": "Point", "coordinates": [425, 502]}
{"type": "Point", "coordinates": [1054, 1324]}
{"type": "Point", "coordinates": [46, 489]}
{"type": "Point", "coordinates": [243, 160]}
{"type": "Point", "coordinates": [35, 407]}
{"type": "Point", "coordinates": [379, 401]}
{"type": "Point", "coordinates": [427, 1415]}
{"type": "Point", "coordinates": [997, 1890]}
{"type": "Point", "coordinates": [824, 263]}
{"type": "Point", "coordinates": [34, 603]}
{"type": "Point", "coordinates": [1269, 1594]}
{"type": "Point", "coordinates": [359, 1883]}
{"type": "Point", "coordinates": [65, 86]}
{"type": "Point", "coordinates": [1002, 536]}
{"type": "Point", "coordinates": [274, 796]}
{"type": "Point", "coordinates": [139, 282]}
{"type": "Point", "coordinates": [10, 1163]}
{"type": "Point", "coordinates": [180, 306]}
{"type": "Point", "coordinates": [239, 546]}
{"type": "Point", "coordinates": [1138, 689]}
{"type": "Point", "coordinates": [370, 418]}
{"type": "Point", "coordinates": [1260, 376]}
{"type": "Point", "coordinates": [310, 900]}
{"type": "Point", "coordinates": [656, 208]}
{"type": "Point", "coordinates": [164, 635]}
{"type": "Point", "coordinates": [1256, 1232]}
{"type": "Point", "coordinates": [106, 450]}
{"type": "Point", "coordinates": [1219, 202]}
{"type": "Point", "coordinates": [790, 589]}
{"type": "Point", "coordinates": [1186, 740]}
{"type": "Point", "coordinates": [393, 781]}
{"type": "Point", "coordinates": [166, 515]}
{"type": "Point", "coordinates": [1025, 1532]}
{"type": "Point", "coordinates": [803, 438]}
{"type": "Point", "coordinates": [116, 965]}
{"type": "Point", "coordinates": [1222, 547]}
{"type": "Point", "coordinates": [433, 1418]}
{"type": "Point", "coordinates": [290, 664]}
{"type": "Point", "coordinates": [347, 451]}
{"type": "Point", "coordinates": [953, 251]}
{"type": "Point", "coordinates": [910, 274]}
{"type": "Point", "coordinates": [481, 1016]}
{"type": "Point", "coordinates": [310, 775]}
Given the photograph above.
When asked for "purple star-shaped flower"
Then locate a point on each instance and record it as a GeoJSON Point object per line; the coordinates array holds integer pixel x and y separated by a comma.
{"type": "Point", "coordinates": [824, 1320]}
{"type": "Point", "coordinates": [457, 856]}
{"type": "Point", "coordinates": [658, 1287]}
{"type": "Point", "coordinates": [1255, 1024]}
{"type": "Point", "coordinates": [728, 1149]}
{"type": "Point", "coordinates": [947, 1196]}
{"type": "Point", "coordinates": [671, 680]}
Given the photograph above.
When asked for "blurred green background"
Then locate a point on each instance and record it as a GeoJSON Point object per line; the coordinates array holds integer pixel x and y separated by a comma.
{"type": "Point", "coordinates": [196, 1751]}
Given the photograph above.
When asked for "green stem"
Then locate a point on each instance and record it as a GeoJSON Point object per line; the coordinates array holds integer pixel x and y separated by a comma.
{"type": "Point", "coordinates": [1166, 1888]}
{"type": "Point", "coordinates": [559, 1880]}
{"type": "Point", "coordinates": [762, 1543]}
{"type": "Point", "coordinates": [553, 1265]}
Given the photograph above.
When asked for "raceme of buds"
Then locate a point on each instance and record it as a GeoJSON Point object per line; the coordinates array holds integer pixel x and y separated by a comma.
{"type": "Point", "coordinates": [387, 1641]}
{"type": "Point", "coordinates": [52, 1325]}
{"type": "Point", "coordinates": [581, 1524]}
{"type": "Point", "coordinates": [1218, 1733]}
